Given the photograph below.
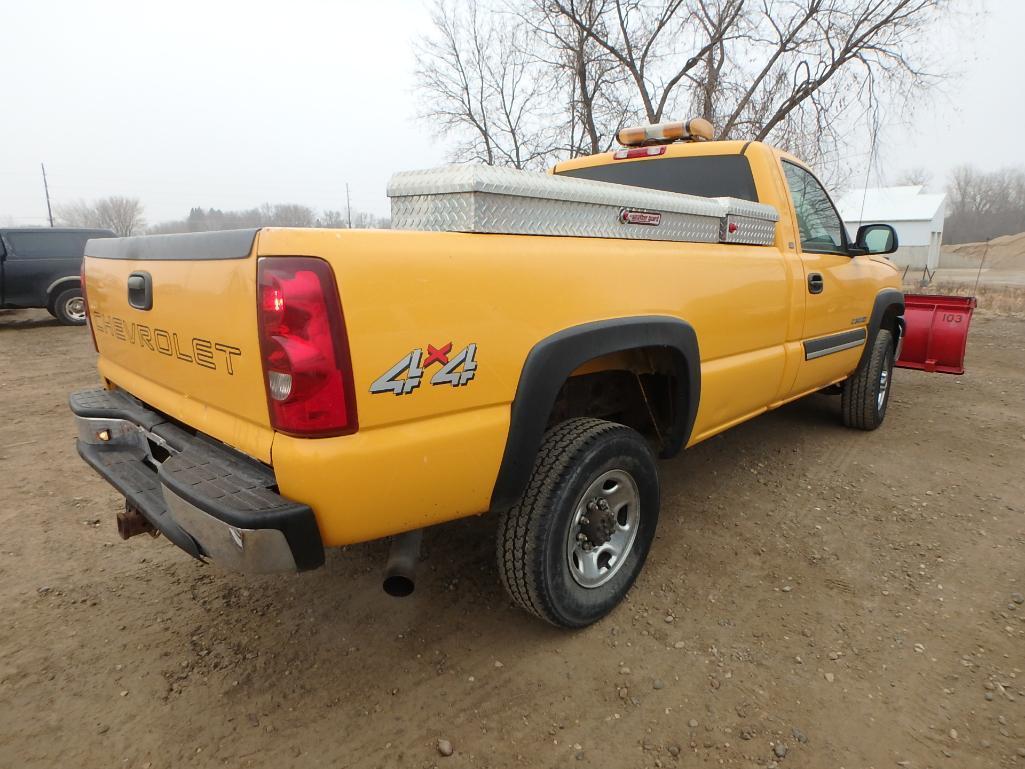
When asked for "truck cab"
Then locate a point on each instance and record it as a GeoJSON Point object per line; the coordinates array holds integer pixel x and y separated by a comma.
{"type": "Point", "coordinates": [831, 284]}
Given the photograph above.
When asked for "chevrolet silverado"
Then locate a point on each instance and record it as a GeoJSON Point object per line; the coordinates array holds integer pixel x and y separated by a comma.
{"type": "Point", "coordinates": [269, 393]}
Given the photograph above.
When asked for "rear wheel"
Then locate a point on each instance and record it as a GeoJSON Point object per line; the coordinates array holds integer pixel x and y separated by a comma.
{"type": "Point", "coordinates": [69, 307]}
{"type": "Point", "coordinates": [572, 546]}
{"type": "Point", "coordinates": [866, 392]}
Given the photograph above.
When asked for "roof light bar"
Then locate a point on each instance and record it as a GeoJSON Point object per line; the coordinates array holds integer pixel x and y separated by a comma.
{"type": "Point", "coordinates": [696, 129]}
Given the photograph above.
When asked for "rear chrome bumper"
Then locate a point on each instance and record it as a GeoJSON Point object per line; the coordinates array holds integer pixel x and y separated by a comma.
{"type": "Point", "coordinates": [205, 497]}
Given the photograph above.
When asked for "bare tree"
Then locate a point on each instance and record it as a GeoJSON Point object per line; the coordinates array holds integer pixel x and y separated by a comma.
{"type": "Point", "coordinates": [984, 205]}
{"type": "Point", "coordinates": [485, 82]}
{"type": "Point", "coordinates": [76, 214]}
{"type": "Point", "coordinates": [917, 176]}
{"type": "Point", "coordinates": [595, 104]}
{"type": "Point", "coordinates": [121, 214]}
{"type": "Point", "coordinates": [785, 70]}
{"type": "Point", "coordinates": [658, 45]}
{"type": "Point", "coordinates": [829, 64]}
{"type": "Point", "coordinates": [794, 72]}
{"type": "Point", "coordinates": [288, 215]}
{"type": "Point", "coordinates": [332, 219]}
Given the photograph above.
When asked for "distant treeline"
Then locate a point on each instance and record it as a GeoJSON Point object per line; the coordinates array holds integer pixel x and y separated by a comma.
{"type": "Point", "coordinates": [124, 215]}
{"type": "Point", "coordinates": [984, 205]}
{"type": "Point", "coordinates": [267, 215]}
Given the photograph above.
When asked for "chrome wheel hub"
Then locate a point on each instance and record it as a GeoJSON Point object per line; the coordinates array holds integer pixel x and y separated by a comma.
{"type": "Point", "coordinates": [75, 308]}
{"type": "Point", "coordinates": [603, 528]}
{"type": "Point", "coordinates": [884, 383]}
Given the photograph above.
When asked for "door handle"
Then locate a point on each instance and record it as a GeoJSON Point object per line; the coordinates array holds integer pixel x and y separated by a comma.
{"type": "Point", "coordinates": [815, 283]}
{"type": "Point", "coordinates": [140, 290]}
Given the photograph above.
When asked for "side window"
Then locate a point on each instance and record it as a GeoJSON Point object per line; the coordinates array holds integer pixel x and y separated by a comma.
{"type": "Point", "coordinates": [820, 224]}
{"type": "Point", "coordinates": [46, 245]}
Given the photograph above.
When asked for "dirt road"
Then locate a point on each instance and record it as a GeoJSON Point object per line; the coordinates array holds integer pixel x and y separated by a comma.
{"type": "Point", "coordinates": [816, 598]}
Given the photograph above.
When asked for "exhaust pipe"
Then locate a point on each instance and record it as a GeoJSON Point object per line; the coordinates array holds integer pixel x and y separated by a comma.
{"type": "Point", "coordinates": [400, 571]}
{"type": "Point", "coordinates": [131, 522]}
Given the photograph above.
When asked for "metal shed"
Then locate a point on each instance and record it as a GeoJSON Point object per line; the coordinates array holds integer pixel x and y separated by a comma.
{"type": "Point", "coordinates": [916, 215]}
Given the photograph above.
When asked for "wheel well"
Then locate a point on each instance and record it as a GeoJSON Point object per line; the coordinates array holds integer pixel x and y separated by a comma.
{"type": "Point", "coordinates": [891, 322]}
{"type": "Point", "coordinates": [886, 312]}
{"type": "Point", "coordinates": [55, 290]}
{"type": "Point", "coordinates": [636, 387]}
{"type": "Point", "coordinates": [647, 345]}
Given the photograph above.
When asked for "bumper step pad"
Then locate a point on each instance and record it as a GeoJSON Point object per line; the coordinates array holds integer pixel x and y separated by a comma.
{"type": "Point", "coordinates": [218, 483]}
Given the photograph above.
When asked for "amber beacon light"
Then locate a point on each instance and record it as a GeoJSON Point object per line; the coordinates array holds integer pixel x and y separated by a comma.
{"type": "Point", "coordinates": [695, 129]}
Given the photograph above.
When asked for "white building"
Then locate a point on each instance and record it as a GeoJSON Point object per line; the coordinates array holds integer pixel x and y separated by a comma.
{"type": "Point", "coordinates": [916, 216]}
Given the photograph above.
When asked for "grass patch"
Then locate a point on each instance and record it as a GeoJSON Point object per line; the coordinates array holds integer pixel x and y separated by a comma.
{"type": "Point", "coordinates": [1002, 300]}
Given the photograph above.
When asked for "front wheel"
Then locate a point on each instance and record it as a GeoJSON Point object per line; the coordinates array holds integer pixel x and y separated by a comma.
{"type": "Point", "coordinates": [867, 391]}
{"type": "Point", "coordinates": [69, 307]}
{"type": "Point", "coordinates": [571, 547]}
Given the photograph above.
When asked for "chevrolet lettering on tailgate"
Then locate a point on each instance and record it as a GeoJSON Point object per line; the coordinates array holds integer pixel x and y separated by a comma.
{"type": "Point", "coordinates": [202, 352]}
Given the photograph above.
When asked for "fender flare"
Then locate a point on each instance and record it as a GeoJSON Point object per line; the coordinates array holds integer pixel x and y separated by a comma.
{"type": "Point", "coordinates": [551, 361]}
{"type": "Point", "coordinates": [50, 290]}
{"type": "Point", "coordinates": [889, 301]}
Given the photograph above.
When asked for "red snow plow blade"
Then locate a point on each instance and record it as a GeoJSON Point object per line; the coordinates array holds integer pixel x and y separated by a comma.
{"type": "Point", "coordinates": [936, 332]}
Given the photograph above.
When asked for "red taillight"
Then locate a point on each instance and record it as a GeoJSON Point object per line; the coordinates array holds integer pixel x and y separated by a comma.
{"type": "Point", "coordinates": [85, 298]}
{"type": "Point", "coordinates": [306, 363]}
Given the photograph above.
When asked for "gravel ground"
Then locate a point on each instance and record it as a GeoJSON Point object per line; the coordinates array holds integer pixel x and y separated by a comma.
{"type": "Point", "coordinates": [816, 598]}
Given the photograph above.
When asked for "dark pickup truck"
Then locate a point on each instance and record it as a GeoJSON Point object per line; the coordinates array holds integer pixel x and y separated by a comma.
{"type": "Point", "coordinates": [41, 267]}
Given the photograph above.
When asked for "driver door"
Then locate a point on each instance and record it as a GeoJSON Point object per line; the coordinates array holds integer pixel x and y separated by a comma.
{"type": "Point", "coordinates": [838, 287]}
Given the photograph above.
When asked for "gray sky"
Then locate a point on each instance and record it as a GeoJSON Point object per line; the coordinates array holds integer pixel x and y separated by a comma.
{"type": "Point", "coordinates": [976, 117]}
{"type": "Point", "coordinates": [232, 104]}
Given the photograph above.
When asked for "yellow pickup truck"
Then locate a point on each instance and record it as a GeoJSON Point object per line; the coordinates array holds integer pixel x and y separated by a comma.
{"type": "Point", "coordinates": [270, 393]}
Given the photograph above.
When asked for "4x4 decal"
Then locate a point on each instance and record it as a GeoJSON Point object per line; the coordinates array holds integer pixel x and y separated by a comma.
{"type": "Point", "coordinates": [406, 375]}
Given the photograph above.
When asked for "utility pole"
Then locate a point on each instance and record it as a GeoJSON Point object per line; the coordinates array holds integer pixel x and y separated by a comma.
{"type": "Point", "coordinates": [46, 188]}
{"type": "Point", "coordinates": [348, 208]}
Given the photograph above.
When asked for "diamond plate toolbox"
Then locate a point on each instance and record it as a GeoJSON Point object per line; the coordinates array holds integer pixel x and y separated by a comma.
{"type": "Point", "coordinates": [488, 199]}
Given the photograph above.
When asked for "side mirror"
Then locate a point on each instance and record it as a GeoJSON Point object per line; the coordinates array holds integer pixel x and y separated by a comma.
{"type": "Point", "coordinates": [876, 239]}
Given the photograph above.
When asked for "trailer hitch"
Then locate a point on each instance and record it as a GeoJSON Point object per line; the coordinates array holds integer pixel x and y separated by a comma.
{"type": "Point", "coordinates": [131, 522]}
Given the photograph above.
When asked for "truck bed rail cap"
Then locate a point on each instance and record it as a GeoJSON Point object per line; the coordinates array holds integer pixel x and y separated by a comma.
{"type": "Point", "coordinates": [190, 246]}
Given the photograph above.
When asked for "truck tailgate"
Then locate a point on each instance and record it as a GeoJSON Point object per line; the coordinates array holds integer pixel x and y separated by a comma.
{"type": "Point", "coordinates": [174, 318]}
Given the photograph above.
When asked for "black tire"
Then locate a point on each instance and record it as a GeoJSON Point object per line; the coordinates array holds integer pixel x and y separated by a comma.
{"type": "Point", "coordinates": [533, 544]}
{"type": "Point", "coordinates": [69, 308]}
{"type": "Point", "coordinates": [866, 392]}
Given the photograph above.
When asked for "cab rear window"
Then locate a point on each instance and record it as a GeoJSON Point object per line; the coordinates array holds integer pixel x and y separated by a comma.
{"type": "Point", "coordinates": [710, 176]}
{"type": "Point", "coordinates": [48, 245]}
